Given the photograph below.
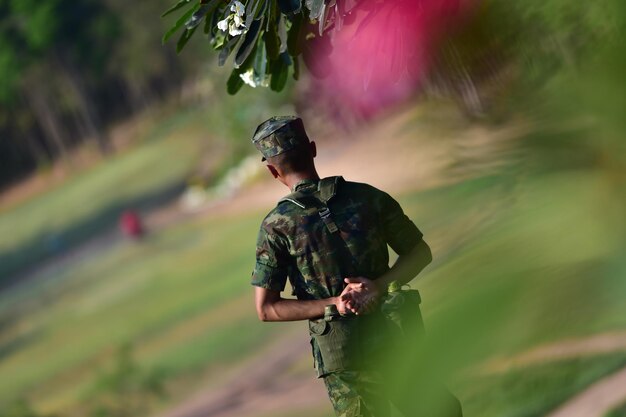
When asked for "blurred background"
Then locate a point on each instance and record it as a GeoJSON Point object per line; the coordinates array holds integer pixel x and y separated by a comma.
{"type": "Point", "coordinates": [130, 200]}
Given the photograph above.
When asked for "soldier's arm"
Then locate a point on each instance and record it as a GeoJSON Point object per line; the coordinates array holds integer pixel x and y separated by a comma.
{"type": "Point", "coordinates": [406, 267]}
{"type": "Point", "coordinates": [270, 306]}
{"type": "Point", "coordinates": [406, 240]}
{"type": "Point", "coordinates": [270, 276]}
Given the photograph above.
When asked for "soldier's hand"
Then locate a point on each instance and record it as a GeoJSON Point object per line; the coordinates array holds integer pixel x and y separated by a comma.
{"type": "Point", "coordinates": [345, 303]}
{"type": "Point", "coordinates": [363, 295]}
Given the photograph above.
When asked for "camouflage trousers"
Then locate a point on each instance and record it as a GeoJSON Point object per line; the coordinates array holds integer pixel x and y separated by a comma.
{"type": "Point", "coordinates": [356, 394]}
{"type": "Point", "coordinates": [365, 394]}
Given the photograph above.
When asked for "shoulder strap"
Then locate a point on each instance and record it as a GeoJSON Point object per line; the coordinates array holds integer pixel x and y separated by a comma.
{"type": "Point", "coordinates": [327, 188]}
{"type": "Point", "coordinates": [298, 198]}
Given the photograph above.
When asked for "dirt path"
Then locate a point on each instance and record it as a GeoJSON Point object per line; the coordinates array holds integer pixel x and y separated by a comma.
{"type": "Point", "coordinates": [392, 157]}
{"type": "Point", "coordinates": [597, 400]}
{"type": "Point", "coordinates": [263, 385]}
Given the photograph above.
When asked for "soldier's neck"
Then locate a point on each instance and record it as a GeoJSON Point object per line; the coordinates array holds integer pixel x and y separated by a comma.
{"type": "Point", "coordinates": [292, 179]}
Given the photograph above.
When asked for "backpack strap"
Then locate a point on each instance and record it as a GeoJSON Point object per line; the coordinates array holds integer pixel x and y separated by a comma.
{"type": "Point", "coordinates": [294, 198]}
{"type": "Point", "coordinates": [326, 189]}
{"type": "Point", "coordinates": [300, 199]}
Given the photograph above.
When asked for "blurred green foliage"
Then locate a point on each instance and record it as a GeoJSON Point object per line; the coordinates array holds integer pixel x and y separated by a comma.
{"type": "Point", "coordinates": [126, 390]}
{"type": "Point", "coordinates": [69, 70]}
{"type": "Point", "coordinates": [21, 408]}
{"type": "Point", "coordinates": [618, 412]}
{"type": "Point", "coordinates": [534, 390]}
{"type": "Point", "coordinates": [32, 29]}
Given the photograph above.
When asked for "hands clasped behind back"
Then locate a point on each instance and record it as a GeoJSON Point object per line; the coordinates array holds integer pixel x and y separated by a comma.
{"type": "Point", "coordinates": [360, 296]}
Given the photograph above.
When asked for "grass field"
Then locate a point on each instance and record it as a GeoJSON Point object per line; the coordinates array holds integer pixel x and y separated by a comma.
{"type": "Point", "coordinates": [152, 171]}
{"type": "Point", "coordinates": [520, 259]}
{"type": "Point", "coordinates": [163, 294]}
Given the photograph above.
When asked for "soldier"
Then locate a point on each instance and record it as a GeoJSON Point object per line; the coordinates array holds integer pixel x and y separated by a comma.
{"type": "Point", "coordinates": [329, 237]}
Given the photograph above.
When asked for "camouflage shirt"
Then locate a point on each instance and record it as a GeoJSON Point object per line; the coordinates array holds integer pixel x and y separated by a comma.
{"type": "Point", "coordinates": [295, 244]}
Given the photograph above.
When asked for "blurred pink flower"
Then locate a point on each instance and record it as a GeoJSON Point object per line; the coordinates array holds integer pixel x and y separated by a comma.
{"type": "Point", "coordinates": [381, 58]}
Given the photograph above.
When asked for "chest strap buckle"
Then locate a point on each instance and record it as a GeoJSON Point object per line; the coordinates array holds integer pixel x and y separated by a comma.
{"type": "Point", "coordinates": [328, 221]}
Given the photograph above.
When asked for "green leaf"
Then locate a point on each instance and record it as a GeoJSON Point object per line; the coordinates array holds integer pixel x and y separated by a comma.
{"type": "Point", "coordinates": [249, 62]}
{"type": "Point", "coordinates": [208, 20]}
{"type": "Point", "coordinates": [180, 4]}
{"type": "Point", "coordinates": [205, 11]}
{"type": "Point", "coordinates": [294, 38]}
{"type": "Point", "coordinates": [179, 23]}
{"type": "Point", "coordinates": [282, 34]}
{"type": "Point", "coordinates": [261, 11]}
{"type": "Point", "coordinates": [248, 43]}
{"type": "Point", "coordinates": [271, 14]}
{"type": "Point", "coordinates": [259, 65]}
{"type": "Point", "coordinates": [197, 16]}
{"type": "Point", "coordinates": [226, 50]}
{"type": "Point", "coordinates": [251, 9]}
{"type": "Point", "coordinates": [280, 72]}
{"type": "Point", "coordinates": [211, 26]}
{"type": "Point", "coordinates": [184, 38]}
{"type": "Point", "coordinates": [272, 43]}
{"type": "Point", "coordinates": [296, 68]}
{"type": "Point", "coordinates": [234, 83]}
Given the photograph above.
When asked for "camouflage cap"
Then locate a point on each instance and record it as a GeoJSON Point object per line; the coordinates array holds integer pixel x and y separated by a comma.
{"type": "Point", "coordinates": [279, 134]}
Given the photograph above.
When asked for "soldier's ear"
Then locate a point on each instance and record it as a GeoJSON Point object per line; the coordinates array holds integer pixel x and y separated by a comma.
{"type": "Point", "coordinates": [313, 148]}
{"type": "Point", "coordinates": [273, 171]}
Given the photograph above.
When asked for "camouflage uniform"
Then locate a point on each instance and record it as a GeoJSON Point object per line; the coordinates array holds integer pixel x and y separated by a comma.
{"type": "Point", "coordinates": [294, 243]}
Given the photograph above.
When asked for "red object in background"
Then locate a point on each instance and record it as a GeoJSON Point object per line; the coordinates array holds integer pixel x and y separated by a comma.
{"type": "Point", "coordinates": [130, 223]}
